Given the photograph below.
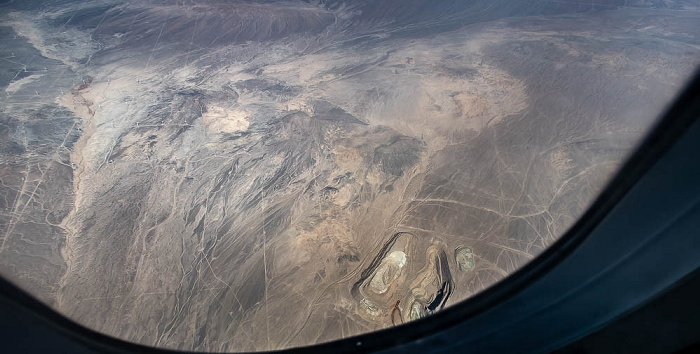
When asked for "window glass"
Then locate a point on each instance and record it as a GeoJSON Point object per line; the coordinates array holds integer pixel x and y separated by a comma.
{"type": "Point", "coordinates": [253, 175]}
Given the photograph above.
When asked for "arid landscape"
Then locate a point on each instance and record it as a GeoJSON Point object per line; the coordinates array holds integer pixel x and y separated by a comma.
{"type": "Point", "coordinates": [253, 175]}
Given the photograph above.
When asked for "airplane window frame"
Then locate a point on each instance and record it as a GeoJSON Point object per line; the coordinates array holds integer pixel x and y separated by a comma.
{"type": "Point", "coordinates": [682, 114]}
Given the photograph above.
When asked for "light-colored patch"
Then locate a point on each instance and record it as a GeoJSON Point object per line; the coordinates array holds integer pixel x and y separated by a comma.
{"type": "Point", "coordinates": [68, 46]}
{"type": "Point", "coordinates": [562, 162]}
{"type": "Point", "coordinates": [107, 110]}
{"type": "Point", "coordinates": [383, 278]}
{"type": "Point", "coordinates": [349, 159]}
{"type": "Point", "coordinates": [225, 120]}
{"type": "Point", "coordinates": [15, 86]}
{"type": "Point", "coordinates": [81, 157]}
{"type": "Point", "coordinates": [344, 196]}
{"type": "Point", "coordinates": [370, 308]}
{"type": "Point", "coordinates": [328, 237]}
{"type": "Point", "coordinates": [298, 104]}
{"type": "Point", "coordinates": [472, 103]}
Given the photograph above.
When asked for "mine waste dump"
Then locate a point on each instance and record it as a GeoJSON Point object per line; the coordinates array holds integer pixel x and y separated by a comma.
{"type": "Point", "coordinates": [256, 175]}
